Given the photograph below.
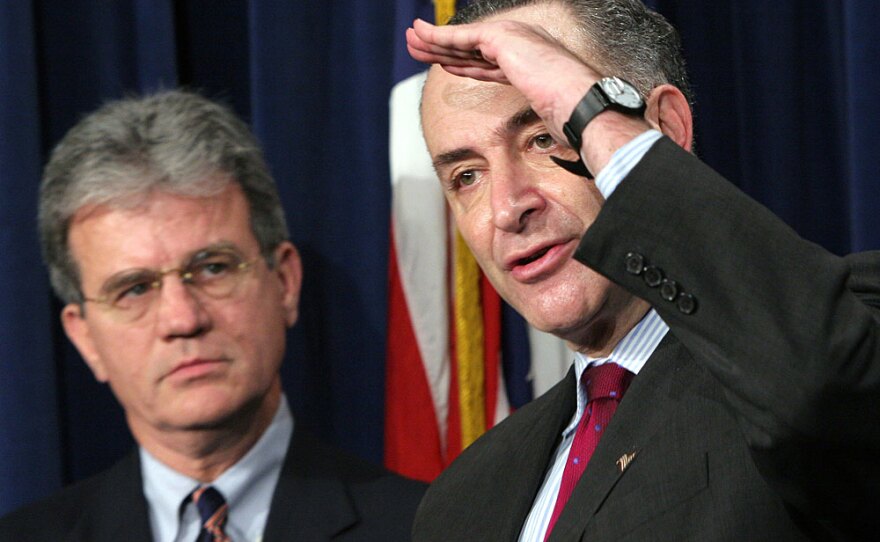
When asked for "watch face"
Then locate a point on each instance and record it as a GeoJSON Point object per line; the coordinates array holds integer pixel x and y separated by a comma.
{"type": "Point", "coordinates": [621, 92]}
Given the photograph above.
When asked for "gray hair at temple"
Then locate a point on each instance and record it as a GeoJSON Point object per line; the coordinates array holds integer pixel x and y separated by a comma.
{"type": "Point", "coordinates": [621, 37]}
{"type": "Point", "coordinates": [174, 141]}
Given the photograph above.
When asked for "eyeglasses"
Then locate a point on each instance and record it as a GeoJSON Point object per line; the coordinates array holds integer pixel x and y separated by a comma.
{"type": "Point", "coordinates": [214, 273]}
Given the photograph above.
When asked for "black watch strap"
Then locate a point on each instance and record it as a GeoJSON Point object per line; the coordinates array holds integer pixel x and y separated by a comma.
{"type": "Point", "coordinates": [595, 101]}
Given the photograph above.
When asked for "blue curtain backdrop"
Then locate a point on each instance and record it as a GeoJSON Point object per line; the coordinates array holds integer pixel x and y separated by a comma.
{"type": "Point", "coordinates": [786, 107]}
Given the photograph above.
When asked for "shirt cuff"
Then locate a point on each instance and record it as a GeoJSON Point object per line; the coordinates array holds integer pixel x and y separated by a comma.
{"type": "Point", "coordinates": [623, 160]}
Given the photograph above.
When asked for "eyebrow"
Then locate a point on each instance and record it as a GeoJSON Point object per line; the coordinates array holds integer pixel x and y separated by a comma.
{"type": "Point", "coordinates": [453, 156]}
{"type": "Point", "coordinates": [125, 278]}
{"type": "Point", "coordinates": [202, 253]}
{"type": "Point", "coordinates": [524, 117]}
{"type": "Point", "coordinates": [137, 274]}
{"type": "Point", "coordinates": [521, 119]}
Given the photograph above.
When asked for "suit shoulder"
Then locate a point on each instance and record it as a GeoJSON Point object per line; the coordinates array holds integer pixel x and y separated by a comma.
{"type": "Point", "coordinates": [325, 489]}
{"type": "Point", "coordinates": [366, 477]}
{"type": "Point", "coordinates": [384, 499]}
{"type": "Point", "coordinates": [509, 435]}
{"type": "Point", "coordinates": [497, 475]}
{"type": "Point", "coordinates": [53, 517]}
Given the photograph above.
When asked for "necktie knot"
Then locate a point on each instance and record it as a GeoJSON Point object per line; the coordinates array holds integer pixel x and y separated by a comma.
{"type": "Point", "coordinates": [606, 381]}
{"type": "Point", "coordinates": [212, 509]}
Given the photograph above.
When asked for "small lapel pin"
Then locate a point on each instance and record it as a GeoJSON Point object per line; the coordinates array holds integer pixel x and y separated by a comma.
{"type": "Point", "coordinates": [624, 461]}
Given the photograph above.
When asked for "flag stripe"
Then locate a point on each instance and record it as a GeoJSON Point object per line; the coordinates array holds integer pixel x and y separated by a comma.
{"type": "Point", "coordinates": [443, 11]}
{"type": "Point", "coordinates": [469, 348]}
{"type": "Point", "coordinates": [417, 358]}
{"type": "Point", "coordinates": [492, 354]}
{"type": "Point", "coordinates": [413, 445]}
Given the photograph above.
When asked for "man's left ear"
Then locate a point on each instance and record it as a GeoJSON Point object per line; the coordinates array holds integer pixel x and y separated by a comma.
{"type": "Point", "coordinates": [288, 269]}
{"type": "Point", "coordinates": [669, 112]}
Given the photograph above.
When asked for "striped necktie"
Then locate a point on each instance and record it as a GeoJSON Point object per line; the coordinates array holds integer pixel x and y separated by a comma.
{"type": "Point", "coordinates": [212, 509]}
{"type": "Point", "coordinates": [605, 385]}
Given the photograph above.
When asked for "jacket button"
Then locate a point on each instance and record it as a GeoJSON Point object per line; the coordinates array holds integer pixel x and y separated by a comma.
{"type": "Point", "coordinates": [669, 290]}
{"type": "Point", "coordinates": [635, 263]}
{"type": "Point", "coordinates": [687, 303]}
{"type": "Point", "coordinates": [653, 276]}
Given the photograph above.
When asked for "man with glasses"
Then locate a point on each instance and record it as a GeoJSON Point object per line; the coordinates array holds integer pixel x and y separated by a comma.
{"type": "Point", "coordinates": [165, 237]}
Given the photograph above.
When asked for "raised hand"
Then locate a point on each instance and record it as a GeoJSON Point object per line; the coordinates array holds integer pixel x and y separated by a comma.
{"type": "Point", "coordinates": [549, 75]}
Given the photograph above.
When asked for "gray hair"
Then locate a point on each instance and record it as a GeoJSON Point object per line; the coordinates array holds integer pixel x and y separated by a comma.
{"type": "Point", "coordinates": [622, 38]}
{"type": "Point", "coordinates": [174, 141]}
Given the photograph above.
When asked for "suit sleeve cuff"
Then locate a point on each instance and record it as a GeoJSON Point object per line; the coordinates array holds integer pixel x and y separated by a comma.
{"type": "Point", "coordinates": [623, 161]}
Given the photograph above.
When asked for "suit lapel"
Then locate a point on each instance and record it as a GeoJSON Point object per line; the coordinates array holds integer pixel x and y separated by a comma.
{"type": "Point", "coordinates": [501, 475]}
{"type": "Point", "coordinates": [529, 454]}
{"type": "Point", "coordinates": [310, 499]}
{"type": "Point", "coordinates": [638, 418]}
{"type": "Point", "coordinates": [486, 494]}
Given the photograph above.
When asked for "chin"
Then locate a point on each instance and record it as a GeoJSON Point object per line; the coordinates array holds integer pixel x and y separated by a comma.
{"type": "Point", "coordinates": [205, 419]}
{"type": "Point", "coordinates": [561, 311]}
{"type": "Point", "coordinates": [565, 322]}
{"type": "Point", "coordinates": [208, 410]}
{"type": "Point", "coordinates": [569, 330]}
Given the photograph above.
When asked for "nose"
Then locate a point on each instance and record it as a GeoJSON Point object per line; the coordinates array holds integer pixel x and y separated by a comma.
{"type": "Point", "coordinates": [180, 312]}
{"type": "Point", "coordinates": [515, 197]}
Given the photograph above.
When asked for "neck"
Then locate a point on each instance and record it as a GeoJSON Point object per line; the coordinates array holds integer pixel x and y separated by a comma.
{"type": "Point", "coordinates": [606, 331]}
{"type": "Point", "coordinates": [205, 453]}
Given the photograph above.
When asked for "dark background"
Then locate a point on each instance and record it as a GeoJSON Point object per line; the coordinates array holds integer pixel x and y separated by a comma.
{"type": "Point", "coordinates": [786, 105]}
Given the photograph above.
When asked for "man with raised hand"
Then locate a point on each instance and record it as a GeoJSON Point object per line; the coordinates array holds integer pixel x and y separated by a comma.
{"type": "Point", "coordinates": [727, 382]}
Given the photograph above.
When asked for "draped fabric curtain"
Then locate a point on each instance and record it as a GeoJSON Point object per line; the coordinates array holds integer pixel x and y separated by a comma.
{"type": "Point", "coordinates": [785, 108]}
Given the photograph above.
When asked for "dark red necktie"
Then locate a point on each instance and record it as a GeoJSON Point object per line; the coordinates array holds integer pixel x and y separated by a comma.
{"type": "Point", "coordinates": [605, 385]}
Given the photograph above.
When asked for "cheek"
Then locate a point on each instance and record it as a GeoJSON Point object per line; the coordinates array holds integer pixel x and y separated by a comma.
{"type": "Point", "coordinates": [578, 196]}
{"type": "Point", "coordinates": [257, 327]}
{"type": "Point", "coordinates": [589, 209]}
{"type": "Point", "coordinates": [125, 356]}
{"type": "Point", "coordinates": [477, 230]}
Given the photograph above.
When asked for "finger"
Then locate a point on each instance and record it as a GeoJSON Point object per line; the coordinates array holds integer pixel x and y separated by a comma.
{"type": "Point", "coordinates": [491, 74]}
{"type": "Point", "coordinates": [463, 39]}
{"type": "Point", "coordinates": [435, 58]}
{"type": "Point", "coordinates": [415, 43]}
{"type": "Point", "coordinates": [439, 56]}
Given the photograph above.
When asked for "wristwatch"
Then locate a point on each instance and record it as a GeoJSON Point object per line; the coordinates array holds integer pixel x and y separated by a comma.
{"type": "Point", "coordinates": [607, 93]}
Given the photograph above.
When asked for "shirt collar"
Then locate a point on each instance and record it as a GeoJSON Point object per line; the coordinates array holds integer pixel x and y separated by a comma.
{"type": "Point", "coordinates": [631, 353]}
{"type": "Point", "coordinates": [248, 485]}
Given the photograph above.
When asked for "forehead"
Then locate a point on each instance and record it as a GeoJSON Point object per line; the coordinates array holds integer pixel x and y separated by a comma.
{"type": "Point", "coordinates": [157, 231]}
{"type": "Point", "coordinates": [445, 94]}
{"type": "Point", "coordinates": [461, 106]}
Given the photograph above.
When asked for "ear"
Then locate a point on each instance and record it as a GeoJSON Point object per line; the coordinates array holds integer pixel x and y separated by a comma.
{"type": "Point", "coordinates": [669, 112]}
{"type": "Point", "coordinates": [78, 332]}
{"type": "Point", "coordinates": [288, 269]}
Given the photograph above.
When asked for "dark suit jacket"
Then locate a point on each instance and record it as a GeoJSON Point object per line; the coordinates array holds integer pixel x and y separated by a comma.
{"type": "Point", "coordinates": [757, 417]}
{"type": "Point", "coordinates": [322, 494]}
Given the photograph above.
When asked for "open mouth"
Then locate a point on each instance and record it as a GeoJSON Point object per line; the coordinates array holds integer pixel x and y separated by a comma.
{"type": "Point", "coordinates": [535, 256]}
{"type": "Point", "coordinates": [544, 262]}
